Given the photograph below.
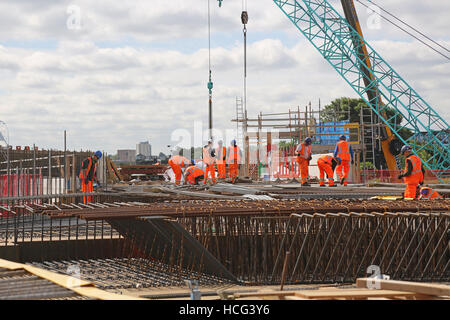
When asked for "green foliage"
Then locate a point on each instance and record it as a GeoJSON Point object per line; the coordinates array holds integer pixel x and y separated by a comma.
{"type": "Point", "coordinates": [341, 108]}
{"type": "Point", "coordinates": [350, 109]}
{"type": "Point", "coordinates": [366, 165]}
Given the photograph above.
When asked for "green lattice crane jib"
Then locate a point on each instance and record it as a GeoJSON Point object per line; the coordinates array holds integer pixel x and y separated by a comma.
{"type": "Point", "coordinates": [334, 37]}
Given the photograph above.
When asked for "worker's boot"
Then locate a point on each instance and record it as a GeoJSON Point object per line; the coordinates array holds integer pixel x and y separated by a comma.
{"type": "Point", "coordinates": [342, 181]}
{"type": "Point", "coordinates": [322, 185]}
{"type": "Point", "coordinates": [306, 184]}
{"type": "Point", "coordinates": [333, 186]}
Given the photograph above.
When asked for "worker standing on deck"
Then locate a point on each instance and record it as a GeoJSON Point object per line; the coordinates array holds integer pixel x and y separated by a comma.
{"type": "Point", "coordinates": [234, 156]}
{"type": "Point", "coordinates": [413, 174]}
{"type": "Point", "coordinates": [88, 174]}
{"type": "Point", "coordinates": [345, 152]}
{"type": "Point", "coordinates": [327, 164]}
{"type": "Point", "coordinates": [209, 158]}
{"type": "Point", "coordinates": [426, 193]}
{"type": "Point", "coordinates": [177, 162]}
{"type": "Point", "coordinates": [304, 156]}
{"type": "Point", "coordinates": [193, 175]}
{"type": "Point", "coordinates": [221, 155]}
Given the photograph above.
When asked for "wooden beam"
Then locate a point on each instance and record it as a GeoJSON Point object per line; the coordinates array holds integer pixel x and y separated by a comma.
{"type": "Point", "coordinates": [421, 288]}
{"type": "Point", "coordinates": [353, 294]}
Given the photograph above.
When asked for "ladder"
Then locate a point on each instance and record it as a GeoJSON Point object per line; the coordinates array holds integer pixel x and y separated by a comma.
{"type": "Point", "coordinates": [368, 136]}
{"type": "Point", "coordinates": [240, 117]}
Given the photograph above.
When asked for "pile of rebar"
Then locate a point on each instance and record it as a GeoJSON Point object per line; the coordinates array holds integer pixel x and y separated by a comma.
{"type": "Point", "coordinates": [250, 208]}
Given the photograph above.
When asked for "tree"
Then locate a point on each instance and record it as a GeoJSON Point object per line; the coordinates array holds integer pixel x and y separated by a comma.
{"type": "Point", "coordinates": [345, 108]}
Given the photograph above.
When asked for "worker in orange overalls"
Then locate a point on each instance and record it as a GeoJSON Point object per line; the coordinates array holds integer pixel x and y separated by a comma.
{"type": "Point", "coordinates": [426, 193]}
{"type": "Point", "coordinates": [234, 155]}
{"type": "Point", "coordinates": [209, 158]}
{"type": "Point", "coordinates": [345, 152]}
{"type": "Point", "coordinates": [177, 162]}
{"type": "Point", "coordinates": [413, 174]}
{"type": "Point", "coordinates": [193, 175]}
{"type": "Point", "coordinates": [88, 174]}
{"type": "Point", "coordinates": [327, 164]}
{"type": "Point", "coordinates": [304, 156]}
{"type": "Point", "coordinates": [221, 155]}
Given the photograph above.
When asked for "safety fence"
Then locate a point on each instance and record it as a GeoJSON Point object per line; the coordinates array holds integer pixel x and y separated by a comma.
{"type": "Point", "coordinates": [15, 185]}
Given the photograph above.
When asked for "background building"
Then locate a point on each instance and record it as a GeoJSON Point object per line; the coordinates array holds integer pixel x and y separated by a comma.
{"type": "Point", "coordinates": [144, 148]}
{"type": "Point", "coordinates": [126, 155]}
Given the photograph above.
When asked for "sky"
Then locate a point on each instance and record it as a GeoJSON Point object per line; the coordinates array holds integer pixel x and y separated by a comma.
{"type": "Point", "coordinates": [115, 73]}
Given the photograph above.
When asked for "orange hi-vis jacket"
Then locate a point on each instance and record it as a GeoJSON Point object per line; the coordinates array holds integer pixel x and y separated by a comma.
{"type": "Point", "coordinates": [416, 175]}
{"type": "Point", "coordinates": [234, 156]}
{"type": "Point", "coordinates": [193, 172]}
{"type": "Point", "coordinates": [207, 159]}
{"type": "Point", "coordinates": [327, 159]}
{"type": "Point", "coordinates": [430, 195]}
{"type": "Point", "coordinates": [88, 169]}
{"type": "Point", "coordinates": [304, 151]}
{"type": "Point", "coordinates": [180, 160]}
{"type": "Point", "coordinates": [344, 150]}
{"type": "Point", "coordinates": [221, 155]}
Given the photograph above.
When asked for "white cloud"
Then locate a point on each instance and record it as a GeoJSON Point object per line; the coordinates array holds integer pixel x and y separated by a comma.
{"type": "Point", "coordinates": [111, 96]}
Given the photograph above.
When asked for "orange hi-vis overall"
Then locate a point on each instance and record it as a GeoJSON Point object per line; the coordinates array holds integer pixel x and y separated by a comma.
{"type": "Point", "coordinates": [209, 162]}
{"type": "Point", "coordinates": [325, 165]}
{"type": "Point", "coordinates": [221, 153]}
{"type": "Point", "coordinates": [344, 153]}
{"type": "Point", "coordinates": [416, 176]}
{"type": "Point", "coordinates": [233, 160]}
{"type": "Point", "coordinates": [304, 153]}
{"type": "Point", "coordinates": [176, 163]}
{"type": "Point", "coordinates": [431, 194]}
{"type": "Point", "coordinates": [192, 173]}
{"type": "Point", "coordinates": [87, 185]}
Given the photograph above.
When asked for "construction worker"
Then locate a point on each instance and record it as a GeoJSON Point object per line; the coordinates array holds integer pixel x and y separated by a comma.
{"type": "Point", "coordinates": [413, 174]}
{"type": "Point", "coordinates": [177, 162]}
{"type": "Point", "coordinates": [343, 151]}
{"type": "Point", "coordinates": [193, 175]}
{"type": "Point", "coordinates": [88, 174]}
{"type": "Point", "coordinates": [221, 156]}
{"type": "Point", "coordinates": [426, 193]}
{"type": "Point", "coordinates": [209, 159]}
{"type": "Point", "coordinates": [304, 156]}
{"type": "Point", "coordinates": [234, 156]}
{"type": "Point", "coordinates": [327, 164]}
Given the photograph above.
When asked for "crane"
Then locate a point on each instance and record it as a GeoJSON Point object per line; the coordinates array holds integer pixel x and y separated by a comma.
{"type": "Point", "coordinates": [369, 74]}
{"type": "Point", "coordinates": [339, 42]}
{"type": "Point", "coordinates": [389, 144]}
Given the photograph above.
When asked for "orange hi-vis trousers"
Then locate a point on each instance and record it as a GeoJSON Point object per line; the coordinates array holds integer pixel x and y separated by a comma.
{"type": "Point", "coordinates": [176, 170]}
{"type": "Point", "coordinates": [234, 170]}
{"type": "Point", "coordinates": [210, 168]}
{"type": "Point", "coordinates": [86, 188]}
{"type": "Point", "coordinates": [411, 191]}
{"type": "Point", "coordinates": [304, 169]}
{"type": "Point", "coordinates": [325, 168]}
{"type": "Point", "coordinates": [342, 170]}
{"type": "Point", "coordinates": [222, 171]}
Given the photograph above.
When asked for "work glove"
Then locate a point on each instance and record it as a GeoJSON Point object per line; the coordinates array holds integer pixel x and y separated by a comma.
{"type": "Point", "coordinates": [353, 161]}
{"type": "Point", "coordinates": [400, 176]}
{"type": "Point", "coordinates": [310, 158]}
{"type": "Point", "coordinates": [421, 183]}
{"type": "Point", "coordinates": [86, 180]}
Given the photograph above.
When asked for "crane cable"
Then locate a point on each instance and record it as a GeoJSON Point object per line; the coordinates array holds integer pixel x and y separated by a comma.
{"type": "Point", "coordinates": [244, 19]}
{"type": "Point", "coordinates": [210, 83]}
{"type": "Point", "coordinates": [412, 35]}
